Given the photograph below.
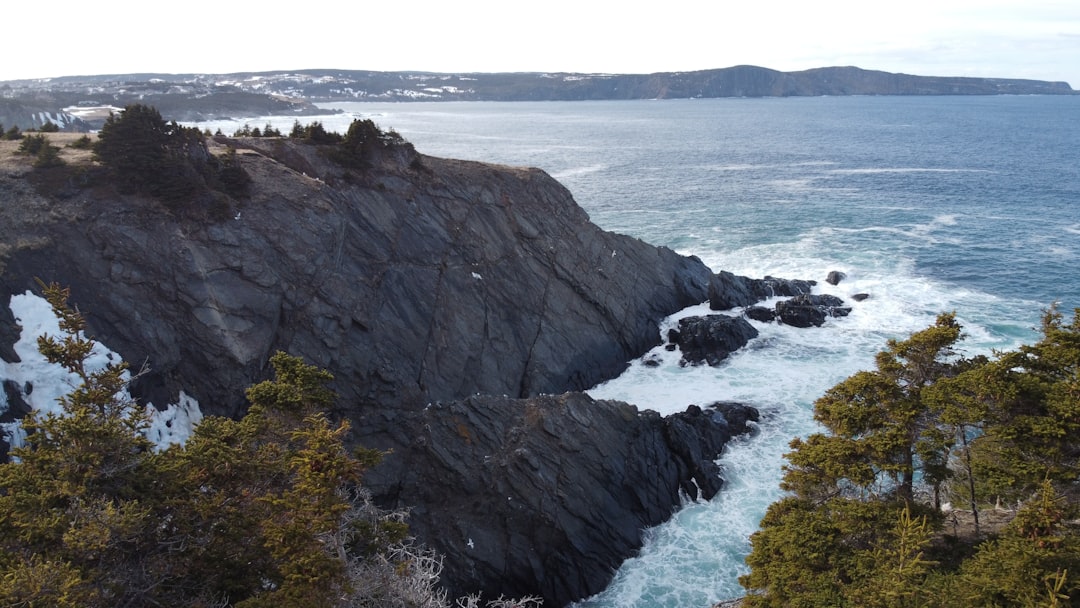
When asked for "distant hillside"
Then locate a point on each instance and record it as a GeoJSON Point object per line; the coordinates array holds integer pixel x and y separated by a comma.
{"type": "Point", "coordinates": [189, 97]}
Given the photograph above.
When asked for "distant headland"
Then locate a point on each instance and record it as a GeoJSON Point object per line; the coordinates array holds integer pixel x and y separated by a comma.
{"type": "Point", "coordinates": [191, 97]}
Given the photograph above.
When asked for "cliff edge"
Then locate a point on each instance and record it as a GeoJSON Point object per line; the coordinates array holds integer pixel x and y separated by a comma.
{"type": "Point", "coordinates": [448, 298]}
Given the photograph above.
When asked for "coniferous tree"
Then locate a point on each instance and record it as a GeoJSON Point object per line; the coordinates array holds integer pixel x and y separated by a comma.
{"type": "Point", "coordinates": [83, 143]}
{"type": "Point", "coordinates": [48, 156]}
{"type": "Point", "coordinates": [261, 511]}
{"type": "Point", "coordinates": [986, 427]}
{"type": "Point", "coordinates": [135, 145]}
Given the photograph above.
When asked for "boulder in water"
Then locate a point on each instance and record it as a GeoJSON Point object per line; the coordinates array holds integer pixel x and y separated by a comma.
{"type": "Point", "coordinates": [835, 277]}
{"type": "Point", "coordinates": [711, 338]}
{"type": "Point", "coordinates": [761, 313]}
{"type": "Point", "coordinates": [810, 310]}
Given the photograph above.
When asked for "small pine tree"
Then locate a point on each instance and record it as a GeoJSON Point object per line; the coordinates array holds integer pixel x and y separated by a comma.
{"type": "Point", "coordinates": [48, 156]}
{"type": "Point", "coordinates": [32, 144]}
{"type": "Point", "coordinates": [83, 143]}
{"type": "Point", "coordinates": [298, 131]}
{"type": "Point", "coordinates": [257, 512]}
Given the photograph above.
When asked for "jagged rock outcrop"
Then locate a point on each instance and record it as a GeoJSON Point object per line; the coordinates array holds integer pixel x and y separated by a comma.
{"type": "Point", "coordinates": [546, 495]}
{"type": "Point", "coordinates": [727, 290]}
{"type": "Point", "coordinates": [810, 310]}
{"type": "Point", "coordinates": [711, 338]}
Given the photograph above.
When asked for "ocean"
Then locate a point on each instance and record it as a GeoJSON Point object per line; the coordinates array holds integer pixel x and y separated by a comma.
{"type": "Point", "coordinates": [929, 204]}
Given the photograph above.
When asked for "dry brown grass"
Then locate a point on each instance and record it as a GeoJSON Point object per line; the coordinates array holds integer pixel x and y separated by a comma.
{"type": "Point", "coordinates": [961, 524]}
{"type": "Point", "coordinates": [14, 163]}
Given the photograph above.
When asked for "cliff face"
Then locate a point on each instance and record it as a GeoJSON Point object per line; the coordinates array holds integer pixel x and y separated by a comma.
{"type": "Point", "coordinates": [421, 279]}
{"type": "Point", "coordinates": [547, 496]}
{"type": "Point", "coordinates": [419, 283]}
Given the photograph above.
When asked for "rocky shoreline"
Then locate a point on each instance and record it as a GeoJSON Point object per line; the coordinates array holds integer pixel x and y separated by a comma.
{"type": "Point", "coordinates": [460, 307]}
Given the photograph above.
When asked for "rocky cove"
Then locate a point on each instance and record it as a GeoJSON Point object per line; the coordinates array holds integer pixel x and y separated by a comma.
{"type": "Point", "coordinates": [460, 307]}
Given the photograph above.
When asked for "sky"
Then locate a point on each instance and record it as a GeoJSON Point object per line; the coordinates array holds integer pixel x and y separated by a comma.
{"type": "Point", "coordinates": [1037, 39]}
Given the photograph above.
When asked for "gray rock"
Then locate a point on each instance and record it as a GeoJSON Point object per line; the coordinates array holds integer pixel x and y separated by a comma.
{"type": "Point", "coordinates": [546, 495]}
{"type": "Point", "coordinates": [727, 290]}
{"type": "Point", "coordinates": [761, 313]}
{"type": "Point", "coordinates": [9, 331]}
{"type": "Point", "coordinates": [835, 277]}
{"type": "Point", "coordinates": [810, 310]}
{"type": "Point", "coordinates": [412, 284]}
{"type": "Point", "coordinates": [711, 338]}
{"type": "Point", "coordinates": [416, 281]}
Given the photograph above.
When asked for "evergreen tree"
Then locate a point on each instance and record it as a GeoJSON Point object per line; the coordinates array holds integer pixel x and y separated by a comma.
{"type": "Point", "coordinates": [48, 156]}
{"type": "Point", "coordinates": [167, 161]}
{"type": "Point", "coordinates": [83, 143]}
{"type": "Point", "coordinates": [261, 511]}
{"type": "Point", "coordinates": [881, 432]}
{"type": "Point", "coordinates": [986, 427]}
{"type": "Point", "coordinates": [75, 505]}
{"type": "Point", "coordinates": [32, 144]}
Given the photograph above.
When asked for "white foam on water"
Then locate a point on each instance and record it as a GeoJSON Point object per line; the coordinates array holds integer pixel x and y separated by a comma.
{"type": "Point", "coordinates": [578, 171]}
{"type": "Point", "coordinates": [879, 170]}
{"type": "Point", "coordinates": [695, 559]}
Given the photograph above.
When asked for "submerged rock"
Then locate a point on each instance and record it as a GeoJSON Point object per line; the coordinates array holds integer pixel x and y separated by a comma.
{"type": "Point", "coordinates": [761, 313]}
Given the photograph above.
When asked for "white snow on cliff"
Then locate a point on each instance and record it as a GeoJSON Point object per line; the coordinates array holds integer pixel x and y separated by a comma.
{"type": "Point", "coordinates": [41, 384]}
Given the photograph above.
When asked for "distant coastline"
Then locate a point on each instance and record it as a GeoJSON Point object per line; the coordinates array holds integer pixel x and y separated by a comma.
{"type": "Point", "coordinates": [194, 97]}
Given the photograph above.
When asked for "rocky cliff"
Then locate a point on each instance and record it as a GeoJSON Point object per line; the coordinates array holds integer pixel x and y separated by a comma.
{"type": "Point", "coordinates": [448, 298]}
{"type": "Point", "coordinates": [418, 280]}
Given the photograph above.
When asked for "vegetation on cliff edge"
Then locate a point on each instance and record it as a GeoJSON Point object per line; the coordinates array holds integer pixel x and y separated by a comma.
{"type": "Point", "coordinates": [862, 524]}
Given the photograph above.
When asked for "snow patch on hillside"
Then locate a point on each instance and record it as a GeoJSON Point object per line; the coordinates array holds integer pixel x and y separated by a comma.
{"type": "Point", "coordinates": [41, 384]}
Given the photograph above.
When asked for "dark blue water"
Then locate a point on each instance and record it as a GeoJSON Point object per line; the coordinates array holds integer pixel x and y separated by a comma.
{"type": "Point", "coordinates": [930, 204]}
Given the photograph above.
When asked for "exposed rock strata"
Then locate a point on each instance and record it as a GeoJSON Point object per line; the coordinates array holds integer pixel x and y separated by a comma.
{"type": "Point", "coordinates": [547, 495]}
{"type": "Point", "coordinates": [416, 281]}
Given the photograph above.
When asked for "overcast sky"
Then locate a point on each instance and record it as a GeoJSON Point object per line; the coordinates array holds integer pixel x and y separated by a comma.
{"type": "Point", "coordinates": [1037, 39]}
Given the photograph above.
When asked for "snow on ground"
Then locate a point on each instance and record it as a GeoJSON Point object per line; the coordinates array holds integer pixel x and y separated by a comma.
{"type": "Point", "coordinates": [41, 384]}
